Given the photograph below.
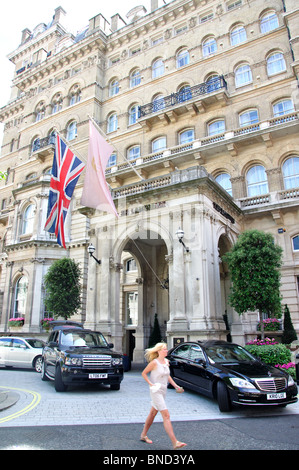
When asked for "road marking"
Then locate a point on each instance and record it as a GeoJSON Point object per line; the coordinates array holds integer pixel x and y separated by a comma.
{"type": "Point", "coordinates": [35, 401]}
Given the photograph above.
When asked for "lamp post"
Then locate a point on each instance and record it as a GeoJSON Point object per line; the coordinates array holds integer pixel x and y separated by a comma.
{"type": "Point", "coordinates": [180, 234]}
{"type": "Point", "coordinates": [91, 249]}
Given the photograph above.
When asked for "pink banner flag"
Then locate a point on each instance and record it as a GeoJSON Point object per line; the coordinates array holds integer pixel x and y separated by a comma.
{"type": "Point", "coordinates": [96, 192]}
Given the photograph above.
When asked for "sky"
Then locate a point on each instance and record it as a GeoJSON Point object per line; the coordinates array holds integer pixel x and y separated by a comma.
{"type": "Point", "coordinates": [18, 15]}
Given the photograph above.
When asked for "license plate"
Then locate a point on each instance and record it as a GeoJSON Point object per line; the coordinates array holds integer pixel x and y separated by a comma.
{"type": "Point", "coordinates": [98, 376]}
{"type": "Point", "coordinates": [276, 396]}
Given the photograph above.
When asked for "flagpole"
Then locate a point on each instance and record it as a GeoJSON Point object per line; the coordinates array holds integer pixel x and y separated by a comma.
{"type": "Point", "coordinates": [107, 138]}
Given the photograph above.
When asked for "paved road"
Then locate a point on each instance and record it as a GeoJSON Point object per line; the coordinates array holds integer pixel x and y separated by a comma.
{"type": "Point", "coordinates": [45, 419]}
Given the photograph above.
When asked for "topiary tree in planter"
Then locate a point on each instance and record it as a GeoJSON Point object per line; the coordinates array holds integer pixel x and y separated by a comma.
{"type": "Point", "coordinates": [155, 336]}
{"type": "Point", "coordinates": [63, 288]}
{"type": "Point", "coordinates": [289, 334]}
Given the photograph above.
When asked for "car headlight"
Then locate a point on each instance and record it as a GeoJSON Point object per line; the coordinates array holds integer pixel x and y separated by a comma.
{"type": "Point", "coordinates": [290, 381]}
{"type": "Point", "coordinates": [241, 383]}
{"type": "Point", "coordinates": [117, 361]}
{"type": "Point", "coordinates": [73, 361]}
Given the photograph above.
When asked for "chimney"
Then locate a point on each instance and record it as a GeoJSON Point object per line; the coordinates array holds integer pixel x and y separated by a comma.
{"type": "Point", "coordinates": [117, 22]}
{"type": "Point", "coordinates": [56, 17]}
{"type": "Point", "coordinates": [154, 5]}
{"type": "Point", "coordinates": [26, 33]}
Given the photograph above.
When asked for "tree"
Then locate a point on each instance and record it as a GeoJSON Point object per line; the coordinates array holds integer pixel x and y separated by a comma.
{"type": "Point", "coordinates": [289, 334]}
{"type": "Point", "coordinates": [63, 289]}
{"type": "Point", "coordinates": [155, 336]}
{"type": "Point", "coordinates": [254, 263]}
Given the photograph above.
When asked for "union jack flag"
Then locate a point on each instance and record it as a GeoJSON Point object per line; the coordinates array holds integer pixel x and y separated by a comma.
{"type": "Point", "coordinates": [66, 170]}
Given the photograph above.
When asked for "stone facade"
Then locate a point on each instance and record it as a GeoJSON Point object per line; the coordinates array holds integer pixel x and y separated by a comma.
{"type": "Point", "coordinates": [199, 99]}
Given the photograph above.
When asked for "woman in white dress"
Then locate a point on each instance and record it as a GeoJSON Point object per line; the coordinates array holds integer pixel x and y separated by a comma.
{"type": "Point", "coordinates": [158, 367]}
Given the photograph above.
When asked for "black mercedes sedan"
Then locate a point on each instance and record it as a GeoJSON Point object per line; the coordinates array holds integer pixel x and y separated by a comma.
{"type": "Point", "coordinates": [230, 374]}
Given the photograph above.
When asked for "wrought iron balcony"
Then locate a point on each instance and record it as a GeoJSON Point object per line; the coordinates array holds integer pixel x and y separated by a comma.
{"type": "Point", "coordinates": [182, 97]}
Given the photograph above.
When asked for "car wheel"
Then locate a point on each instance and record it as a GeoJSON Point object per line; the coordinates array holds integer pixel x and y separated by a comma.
{"type": "Point", "coordinates": [115, 386]}
{"type": "Point", "coordinates": [38, 361]}
{"type": "Point", "coordinates": [59, 385]}
{"type": "Point", "coordinates": [223, 397]}
{"type": "Point", "coordinates": [44, 377]}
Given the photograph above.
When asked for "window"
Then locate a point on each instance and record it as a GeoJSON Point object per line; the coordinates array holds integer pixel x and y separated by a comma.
{"type": "Point", "coordinates": [135, 78]}
{"type": "Point", "coordinates": [184, 93]}
{"type": "Point", "coordinates": [113, 87]}
{"type": "Point", "coordinates": [112, 160]}
{"type": "Point", "coordinates": [133, 114]}
{"type": "Point", "coordinates": [209, 46]}
{"type": "Point", "coordinates": [28, 220]}
{"type": "Point", "coordinates": [159, 144]}
{"type": "Point", "coordinates": [248, 117]}
{"type": "Point", "coordinates": [276, 63]}
{"type": "Point", "coordinates": [112, 123]}
{"type": "Point", "coordinates": [74, 95]}
{"type": "Point", "coordinates": [182, 58]}
{"type": "Point", "coordinates": [216, 127]}
{"type": "Point", "coordinates": [133, 152]}
{"type": "Point", "coordinates": [243, 75]}
{"type": "Point", "coordinates": [131, 300]}
{"type": "Point", "coordinates": [57, 103]}
{"type": "Point", "coordinates": [20, 297]}
{"type": "Point", "coordinates": [131, 265]}
{"type": "Point", "coordinates": [183, 351]}
{"type": "Point", "coordinates": [295, 241]}
{"type": "Point", "coordinates": [157, 68]}
{"type": "Point", "coordinates": [224, 180]}
{"type": "Point", "coordinates": [257, 183]}
{"type": "Point", "coordinates": [269, 22]}
{"type": "Point", "coordinates": [71, 132]}
{"type": "Point", "coordinates": [290, 170]}
{"type": "Point", "coordinates": [238, 35]}
{"type": "Point", "coordinates": [186, 136]}
{"type": "Point", "coordinates": [40, 111]}
{"type": "Point", "coordinates": [283, 107]}
{"type": "Point", "coordinates": [158, 103]}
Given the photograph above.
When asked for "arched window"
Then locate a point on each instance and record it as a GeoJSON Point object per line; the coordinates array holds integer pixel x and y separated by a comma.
{"type": "Point", "coordinates": [112, 122]}
{"type": "Point", "coordinates": [114, 87]}
{"type": "Point", "coordinates": [224, 180]}
{"type": "Point", "coordinates": [295, 241]}
{"type": "Point", "coordinates": [56, 103]}
{"type": "Point", "coordinates": [269, 21]}
{"type": "Point", "coordinates": [216, 127]}
{"type": "Point", "coordinates": [257, 183]}
{"type": "Point", "coordinates": [71, 131]}
{"type": "Point", "coordinates": [158, 68]}
{"type": "Point", "coordinates": [182, 58]}
{"type": "Point", "coordinates": [238, 35]}
{"type": "Point", "coordinates": [28, 219]}
{"type": "Point", "coordinates": [133, 114]}
{"type": "Point", "coordinates": [248, 117]}
{"type": "Point", "coordinates": [135, 78]}
{"type": "Point", "coordinates": [209, 46]}
{"type": "Point", "coordinates": [131, 265]}
{"type": "Point", "coordinates": [290, 170]}
{"type": "Point", "coordinates": [283, 107]}
{"type": "Point", "coordinates": [133, 152]}
{"type": "Point", "coordinates": [112, 160]}
{"type": "Point", "coordinates": [20, 297]}
{"type": "Point", "coordinates": [275, 63]}
{"type": "Point", "coordinates": [158, 103]}
{"type": "Point", "coordinates": [243, 75]}
{"type": "Point", "coordinates": [184, 93]}
{"type": "Point", "coordinates": [159, 144]}
{"type": "Point", "coordinates": [40, 111]}
{"type": "Point", "coordinates": [74, 95]}
{"type": "Point", "coordinates": [186, 136]}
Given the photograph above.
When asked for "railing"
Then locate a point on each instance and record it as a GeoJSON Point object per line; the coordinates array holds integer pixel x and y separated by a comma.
{"type": "Point", "coordinates": [182, 96]}
{"type": "Point", "coordinates": [38, 144]}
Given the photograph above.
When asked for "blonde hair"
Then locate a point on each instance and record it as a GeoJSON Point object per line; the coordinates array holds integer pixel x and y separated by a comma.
{"type": "Point", "coordinates": [152, 353]}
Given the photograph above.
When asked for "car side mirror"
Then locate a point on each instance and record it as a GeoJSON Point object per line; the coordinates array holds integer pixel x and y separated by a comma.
{"type": "Point", "coordinates": [110, 345]}
{"type": "Point", "coordinates": [199, 361]}
{"type": "Point", "coordinates": [52, 344]}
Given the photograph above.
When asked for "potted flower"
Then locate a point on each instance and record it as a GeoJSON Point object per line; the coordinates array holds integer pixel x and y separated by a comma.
{"type": "Point", "coordinates": [45, 323]}
{"type": "Point", "coordinates": [270, 324]}
{"type": "Point", "coordinates": [16, 322]}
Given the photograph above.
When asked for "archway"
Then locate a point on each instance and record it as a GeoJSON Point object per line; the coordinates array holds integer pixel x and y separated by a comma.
{"type": "Point", "coordinates": [143, 290]}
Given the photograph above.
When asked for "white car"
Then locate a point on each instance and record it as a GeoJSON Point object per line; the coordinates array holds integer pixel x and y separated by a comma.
{"type": "Point", "coordinates": [21, 352]}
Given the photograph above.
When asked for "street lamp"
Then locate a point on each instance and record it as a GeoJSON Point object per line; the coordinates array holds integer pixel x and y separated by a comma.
{"type": "Point", "coordinates": [180, 234]}
{"type": "Point", "coordinates": [91, 249]}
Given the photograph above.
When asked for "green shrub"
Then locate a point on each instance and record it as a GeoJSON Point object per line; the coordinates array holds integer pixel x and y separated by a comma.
{"type": "Point", "coordinates": [271, 354]}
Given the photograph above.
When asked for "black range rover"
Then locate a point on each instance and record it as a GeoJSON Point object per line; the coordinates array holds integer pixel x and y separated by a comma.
{"type": "Point", "coordinates": [74, 355]}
